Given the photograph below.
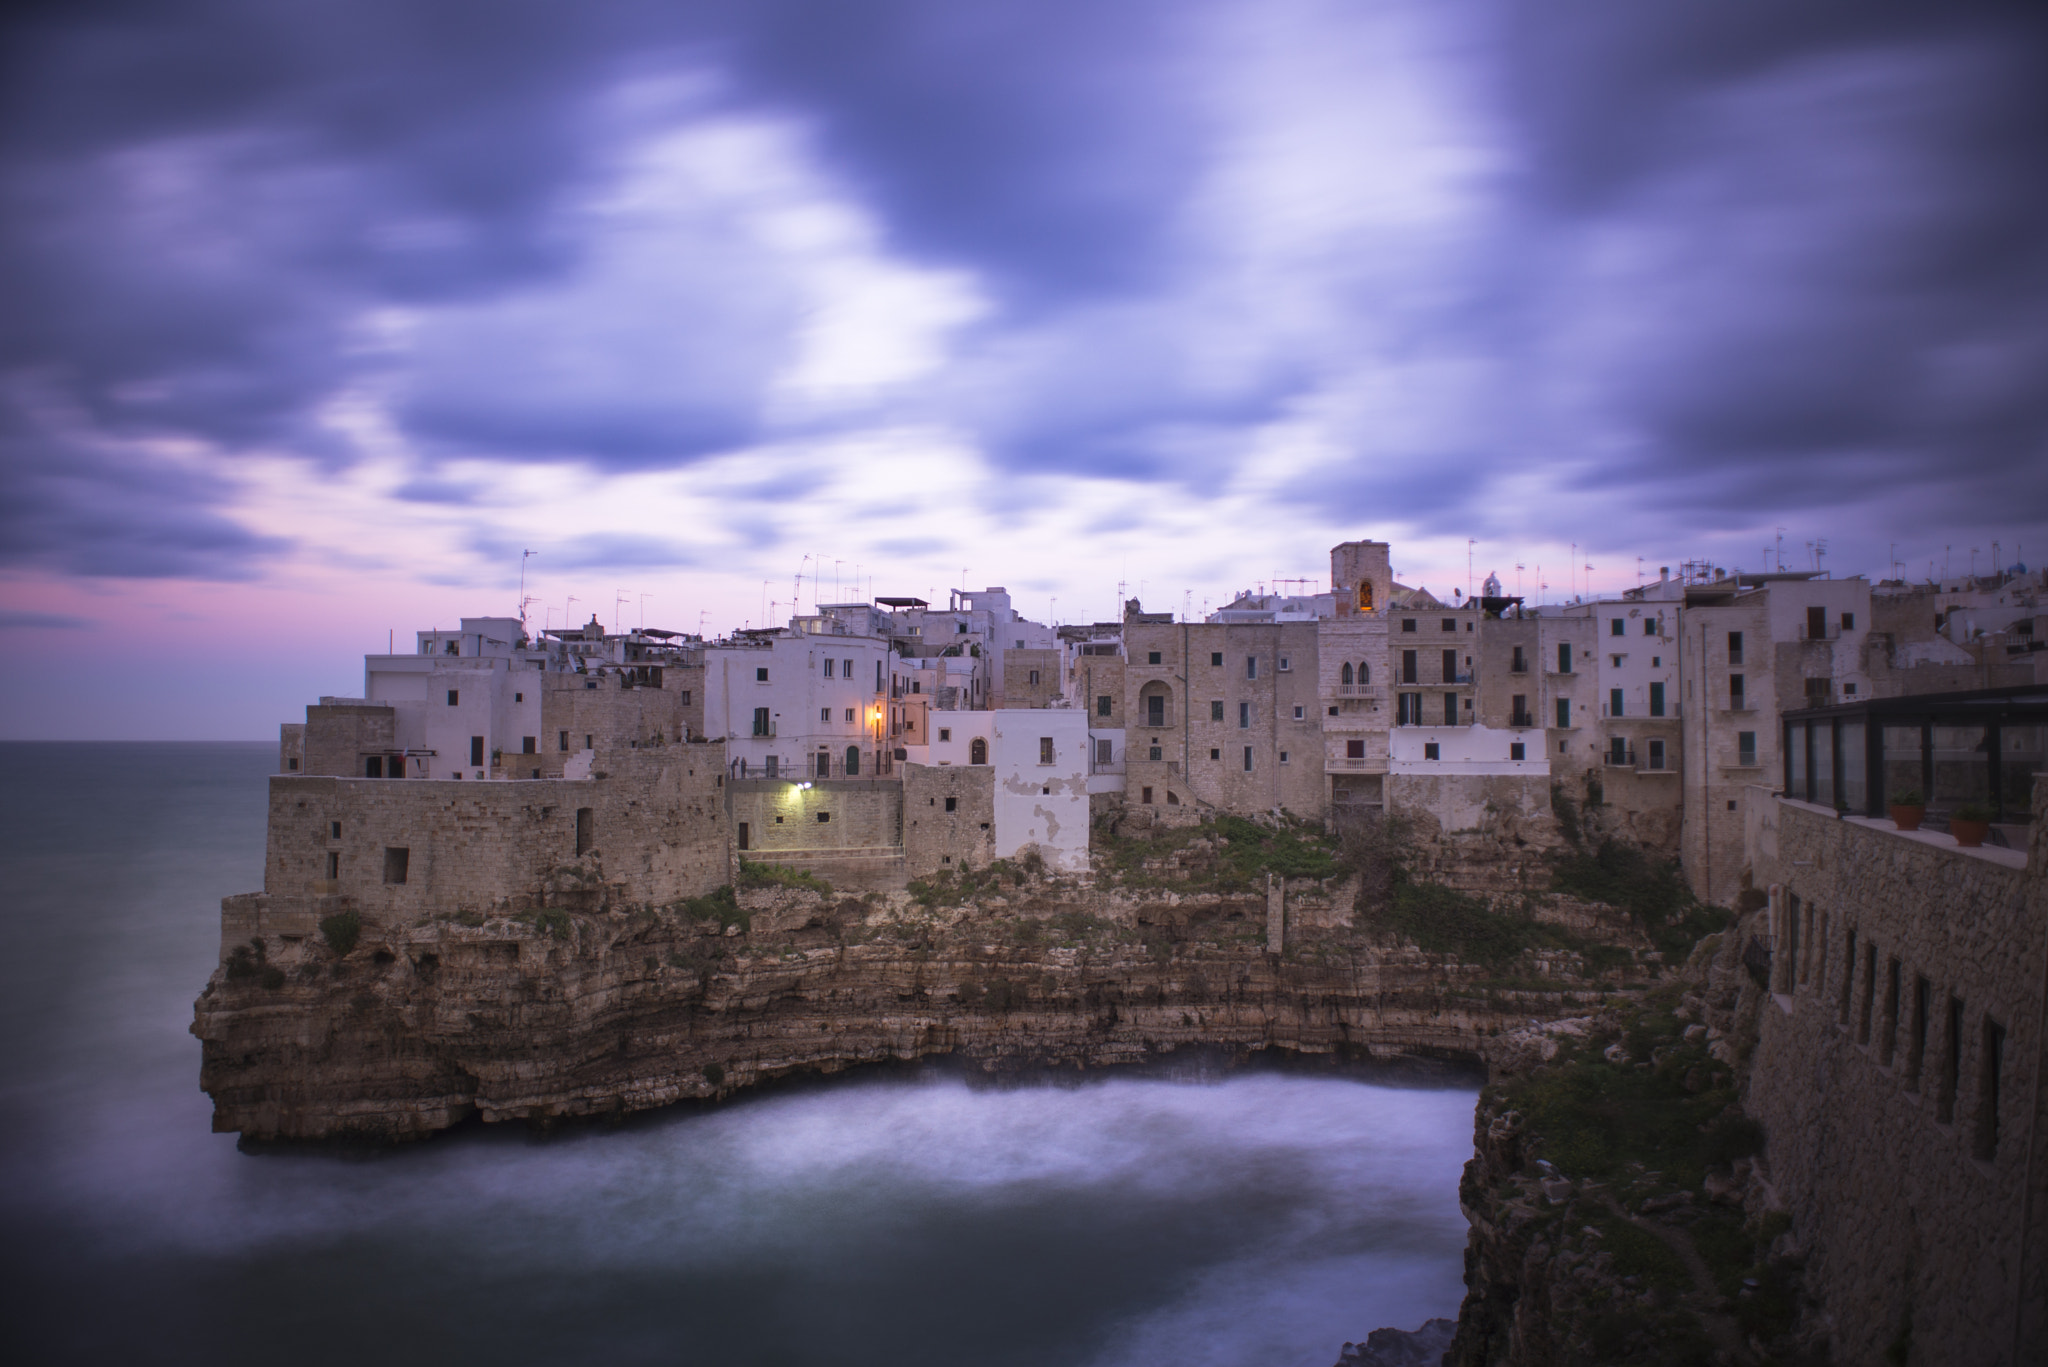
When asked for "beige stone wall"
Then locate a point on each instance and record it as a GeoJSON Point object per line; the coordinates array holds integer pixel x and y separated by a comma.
{"type": "Point", "coordinates": [1715, 778]}
{"type": "Point", "coordinates": [1354, 714]}
{"type": "Point", "coordinates": [1882, 1154]}
{"type": "Point", "coordinates": [339, 737]}
{"type": "Point", "coordinates": [1202, 670]}
{"type": "Point", "coordinates": [291, 748]}
{"type": "Point", "coordinates": [936, 839]}
{"type": "Point", "coordinates": [581, 712]}
{"type": "Point", "coordinates": [657, 826]}
{"type": "Point", "coordinates": [1019, 666]}
{"type": "Point", "coordinates": [789, 815]}
{"type": "Point", "coordinates": [1097, 677]}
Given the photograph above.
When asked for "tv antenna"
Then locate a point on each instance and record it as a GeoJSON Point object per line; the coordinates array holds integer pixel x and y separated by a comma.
{"type": "Point", "coordinates": [524, 556]}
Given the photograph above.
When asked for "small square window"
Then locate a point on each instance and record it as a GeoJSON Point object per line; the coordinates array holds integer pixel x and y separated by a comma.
{"type": "Point", "coordinates": [1848, 690]}
{"type": "Point", "coordinates": [849, 714]}
{"type": "Point", "coordinates": [518, 697]}
{"type": "Point", "coordinates": [1333, 709]}
{"type": "Point", "coordinates": [1103, 703]}
{"type": "Point", "coordinates": [1152, 658]}
{"type": "Point", "coordinates": [1216, 659]}
{"type": "Point", "coordinates": [1656, 662]}
{"type": "Point", "coordinates": [1300, 713]}
{"type": "Point", "coordinates": [1407, 624]}
{"type": "Point", "coordinates": [454, 697]}
{"type": "Point", "coordinates": [952, 804]}
{"type": "Point", "coordinates": [1430, 750]}
{"type": "Point", "coordinates": [1283, 663]}
{"type": "Point", "coordinates": [334, 830]}
{"type": "Point", "coordinates": [1215, 754]}
{"type": "Point", "coordinates": [1216, 710]}
{"type": "Point", "coordinates": [1450, 624]}
{"type": "Point", "coordinates": [761, 674]}
{"type": "Point", "coordinates": [1283, 757]}
{"type": "Point", "coordinates": [1517, 750]}
{"type": "Point", "coordinates": [1354, 749]}
{"type": "Point", "coordinates": [824, 714]}
{"type": "Point", "coordinates": [1616, 626]}
{"type": "Point", "coordinates": [824, 817]}
{"type": "Point", "coordinates": [945, 733]}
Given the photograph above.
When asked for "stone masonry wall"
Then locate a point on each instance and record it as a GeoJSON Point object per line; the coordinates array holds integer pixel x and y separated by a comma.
{"type": "Point", "coordinates": [828, 814]}
{"type": "Point", "coordinates": [936, 839]}
{"type": "Point", "coordinates": [656, 832]}
{"type": "Point", "coordinates": [1900, 1143]}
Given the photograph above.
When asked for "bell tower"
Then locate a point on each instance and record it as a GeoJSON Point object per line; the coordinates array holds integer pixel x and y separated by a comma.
{"type": "Point", "coordinates": [1360, 578]}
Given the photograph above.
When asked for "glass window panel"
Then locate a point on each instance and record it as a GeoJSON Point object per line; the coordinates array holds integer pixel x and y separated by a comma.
{"type": "Point", "coordinates": [1901, 761]}
{"type": "Point", "coordinates": [1824, 764]}
{"type": "Point", "coordinates": [1961, 771]}
{"type": "Point", "coordinates": [2022, 753]}
{"type": "Point", "coordinates": [1795, 756]}
{"type": "Point", "coordinates": [1855, 790]}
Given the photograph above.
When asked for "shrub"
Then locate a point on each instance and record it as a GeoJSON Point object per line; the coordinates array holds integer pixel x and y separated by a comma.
{"type": "Point", "coordinates": [273, 977]}
{"type": "Point", "coordinates": [242, 964]}
{"type": "Point", "coordinates": [754, 875]}
{"type": "Point", "coordinates": [1908, 797]}
{"type": "Point", "coordinates": [1650, 890]}
{"type": "Point", "coordinates": [341, 931]}
{"type": "Point", "coordinates": [1972, 811]}
{"type": "Point", "coordinates": [720, 905]}
{"type": "Point", "coordinates": [714, 1074]}
{"type": "Point", "coordinates": [1567, 813]}
{"type": "Point", "coordinates": [554, 923]}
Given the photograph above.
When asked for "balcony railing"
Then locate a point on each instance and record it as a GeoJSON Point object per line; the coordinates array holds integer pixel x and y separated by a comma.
{"type": "Point", "coordinates": [1832, 631]}
{"type": "Point", "coordinates": [1343, 764]}
{"type": "Point", "coordinates": [1741, 702]}
{"type": "Point", "coordinates": [1462, 676]}
{"type": "Point", "coordinates": [1625, 759]}
{"type": "Point", "coordinates": [1518, 667]}
{"type": "Point", "coordinates": [1438, 722]}
{"type": "Point", "coordinates": [1522, 720]}
{"type": "Point", "coordinates": [1358, 690]}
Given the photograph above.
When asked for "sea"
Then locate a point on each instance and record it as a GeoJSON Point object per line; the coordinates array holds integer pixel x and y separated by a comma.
{"type": "Point", "coordinates": [903, 1219]}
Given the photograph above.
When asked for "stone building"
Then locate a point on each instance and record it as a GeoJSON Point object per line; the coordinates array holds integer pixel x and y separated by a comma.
{"type": "Point", "coordinates": [1898, 1074]}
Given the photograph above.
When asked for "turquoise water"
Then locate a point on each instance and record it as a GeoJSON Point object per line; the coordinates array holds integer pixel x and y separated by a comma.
{"type": "Point", "coordinates": [907, 1221]}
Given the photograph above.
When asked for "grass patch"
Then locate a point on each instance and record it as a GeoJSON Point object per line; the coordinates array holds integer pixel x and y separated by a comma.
{"type": "Point", "coordinates": [753, 875]}
{"type": "Point", "coordinates": [1442, 920]}
{"type": "Point", "coordinates": [950, 888]}
{"type": "Point", "coordinates": [1594, 1118]}
{"type": "Point", "coordinates": [1651, 890]}
{"type": "Point", "coordinates": [554, 923]}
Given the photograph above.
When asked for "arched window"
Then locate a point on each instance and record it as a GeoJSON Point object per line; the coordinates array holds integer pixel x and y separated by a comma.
{"type": "Point", "coordinates": [1365, 595]}
{"type": "Point", "coordinates": [1364, 672]}
{"type": "Point", "coordinates": [852, 761]}
{"type": "Point", "coordinates": [977, 751]}
{"type": "Point", "coordinates": [1346, 678]}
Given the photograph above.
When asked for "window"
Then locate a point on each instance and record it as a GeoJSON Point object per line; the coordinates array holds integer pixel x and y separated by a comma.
{"type": "Point", "coordinates": [1564, 711]}
{"type": "Point", "coordinates": [1450, 624]}
{"type": "Point", "coordinates": [1344, 675]}
{"type": "Point", "coordinates": [1518, 665]}
{"type": "Point", "coordinates": [1300, 713]}
{"type": "Point", "coordinates": [1155, 709]}
{"type": "Point", "coordinates": [1154, 752]}
{"type": "Point", "coordinates": [849, 714]}
{"type": "Point", "coordinates": [1614, 700]}
{"type": "Point", "coordinates": [824, 771]}
{"type": "Point", "coordinates": [1564, 657]}
{"type": "Point", "coordinates": [1283, 664]}
{"type": "Point", "coordinates": [1247, 758]}
{"type": "Point", "coordinates": [454, 697]}
{"type": "Point", "coordinates": [1409, 666]}
{"type": "Point", "coordinates": [1244, 716]}
{"type": "Point", "coordinates": [1102, 704]}
{"type": "Point", "coordinates": [977, 751]}
{"type": "Point", "coordinates": [584, 834]}
{"type": "Point", "coordinates": [824, 714]}
{"type": "Point", "coordinates": [1216, 659]}
{"type": "Point", "coordinates": [959, 628]}
{"type": "Point", "coordinates": [761, 674]}
{"type": "Point", "coordinates": [1518, 711]}
{"type": "Point", "coordinates": [952, 804]}
{"type": "Point", "coordinates": [373, 767]}
{"type": "Point", "coordinates": [762, 726]}
{"type": "Point", "coordinates": [518, 697]}
{"type": "Point", "coordinates": [1617, 750]}
{"type": "Point", "coordinates": [1354, 749]}
{"type": "Point", "coordinates": [562, 741]}
{"type": "Point", "coordinates": [1816, 623]}
{"type": "Point", "coordinates": [396, 858]}
{"type": "Point", "coordinates": [1431, 750]}
{"type": "Point", "coordinates": [1736, 686]}
{"type": "Point", "coordinates": [945, 733]}
{"type": "Point", "coordinates": [1251, 666]}
{"type": "Point", "coordinates": [1990, 1077]}
{"type": "Point", "coordinates": [1649, 626]}
{"type": "Point", "coordinates": [1745, 747]}
{"type": "Point", "coordinates": [1152, 658]}
{"type": "Point", "coordinates": [1450, 666]}
{"type": "Point", "coordinates": [1848, 690]}
{"type": "Point", "coordinates": [1848, 621]}
{"type": "Point", "coordinates": [1102, 753]}
{"type": "Point", "coordinates": [1656, 662]}
{"type": "Point", "coordinates": [529, 745]}
{"type": "Point", "coordinates": [743, 835]}
{"type": "Point", "coordinates": [333, 865]}
{"type": "Point", "coordinates": [1408, 709]}
{"type": "Point", "coordinates": [1735, 647]}
{"type": "Point", "coordinates": [1616, 627]}
{"type": "Point", "coordinates": [292, 763]}
{"type": "Point", "coordinates": [830, 664]}
{"type": "Point", "coordinates": [1656, 699]}
{"type": "Point", "coordinates": [1215, 754]}
{"type": "Point", "coordinates": [1045, 749]}
{"type": "Point", "coordinates": [334, 830]}
{"type": "Point", "coordinates": [686, 697]}
{"type": "Point", "coordinates": [824, 817]}
{"type": "Point", "coordinates": [1656, 754]}
{"type": "Point", "coordinates": [1145, 795]}
{"type": "Point", "coordinates": [1817, 691]}
{"type": "Point", "coordinates": [1951, 1063]}
{"type": "Point", "coordinates": [1450, 709]}
{"type": "Point", "coordinates": [1364, 673]}
{"type": "Point", "coordinates": [476, 751]}
{"type": "Point", "coordinates": [1517, 750]}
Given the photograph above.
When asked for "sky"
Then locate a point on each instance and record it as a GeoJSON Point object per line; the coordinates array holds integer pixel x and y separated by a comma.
{"type": "Point", "coordinates": [317, 316]}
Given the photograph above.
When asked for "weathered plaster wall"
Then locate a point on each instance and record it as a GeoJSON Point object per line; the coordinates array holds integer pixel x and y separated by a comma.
{"type": "Point", "coordinates": [1900, 1143]}
{"type": "Point", "coordinates": [1042, 803]}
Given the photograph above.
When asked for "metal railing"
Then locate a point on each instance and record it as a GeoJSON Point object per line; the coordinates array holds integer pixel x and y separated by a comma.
{"type": "Point", "coordinates": [1522, 721]}
{"type": "Point", "coordinates": [1625, 759]}
{"type": "Point", "coordinates": [1831, 631]}
{"type": "Point", "coordinates": [1343, 762]}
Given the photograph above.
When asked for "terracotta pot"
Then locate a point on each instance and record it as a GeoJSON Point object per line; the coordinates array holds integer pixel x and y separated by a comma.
{"type": "Point", "coordinates": [1969, 834]}
{"type": "Point", "coordinates": [1908, 818]}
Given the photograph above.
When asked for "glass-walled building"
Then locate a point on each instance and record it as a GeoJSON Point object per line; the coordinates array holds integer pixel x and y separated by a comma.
{"type": "Point", "coordinates": [1981, 747]}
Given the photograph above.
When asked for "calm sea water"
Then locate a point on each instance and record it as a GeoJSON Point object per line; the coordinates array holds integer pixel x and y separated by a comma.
{"type": "Point", "coordinates": [1263, 1220]}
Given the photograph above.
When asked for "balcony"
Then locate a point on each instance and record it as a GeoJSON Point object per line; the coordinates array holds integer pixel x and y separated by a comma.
{"type": "Point", "coordinates": [1344, 764]}
{"type": "Point", "coordinates": [1618, 759]}
{"type": "Point", "coordinates": [1357, 690]}
{"type": "Point", "coordinates": [1522, 721]}
{"type": "Point", "coordinates": [1463, 676]}
{"type": "Point", "coordinates": [1519, 667]}
{"type": "Point", "coordinates": [1740, 702]}
{"type": "Point", "coordinates": [1831, 631]}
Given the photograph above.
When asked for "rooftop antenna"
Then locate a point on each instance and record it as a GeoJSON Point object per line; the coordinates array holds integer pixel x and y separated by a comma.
{"type": "Point", "coordinates": [1820, 551]}
{"type": "Point", "coordinates": [524, 556]}
{"type": "Point", "coordinates": [1469, 543]}
{"type": "Point", "coordinates": [1518, 579]}
{"type": "Point", "coordinates": [1571, 571]}
{"type": "Point", "coordinates": [1973, 562]}
{"type": "Point", "coordinates": [567, 616]}
{"type": "Point", "coordinates": [619, 596]}
{"type": "Point", "coordinates": [1639, 571]}
{"type": "Point", "coordinates": [643, 610]}
{"type": "Point", "coordinates": [1780, 557]}
{"type": "Point", "coordinates": [764, 604]}
{"type": "Point", "coordinates": [1589, 579]}
{"type": "Point", "coordinates": [797, 591]}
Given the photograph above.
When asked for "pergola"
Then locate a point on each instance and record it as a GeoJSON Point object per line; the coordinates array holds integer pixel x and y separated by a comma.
{"type": "Point", "coordinates": [1982, 746]}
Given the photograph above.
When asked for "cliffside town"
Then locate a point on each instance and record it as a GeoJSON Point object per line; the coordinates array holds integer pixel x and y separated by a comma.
{"type": "Point", "coordinates": [583, 874]}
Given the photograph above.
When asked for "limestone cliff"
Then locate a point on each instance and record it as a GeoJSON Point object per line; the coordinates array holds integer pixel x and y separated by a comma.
{"type": "Point", "coordinates": [581, 1004]}
{"type": "Point", "coordinates": [1621, 1209]}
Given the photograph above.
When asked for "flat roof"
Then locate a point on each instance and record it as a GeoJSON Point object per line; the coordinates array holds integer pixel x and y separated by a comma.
{"type": "Point", "coordinates": [2025, 702]}
{"type": "Point", "coordinates": [903, 602]}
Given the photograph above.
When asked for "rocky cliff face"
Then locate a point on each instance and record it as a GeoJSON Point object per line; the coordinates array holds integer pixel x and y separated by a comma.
{"type": "Point", "coordinates": [580, 1005]}
{"type": "Point", "coordinates": [1621, 1210]}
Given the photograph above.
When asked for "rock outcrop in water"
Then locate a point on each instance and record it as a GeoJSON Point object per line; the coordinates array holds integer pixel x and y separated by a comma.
{"type": "Point", "coordinates": [585, 1006]}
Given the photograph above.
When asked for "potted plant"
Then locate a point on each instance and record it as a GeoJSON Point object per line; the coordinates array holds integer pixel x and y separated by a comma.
{"type": "Point", "coordinates": [1970, 824]}
{"type": "Point", "coordinates": [1908, 807]}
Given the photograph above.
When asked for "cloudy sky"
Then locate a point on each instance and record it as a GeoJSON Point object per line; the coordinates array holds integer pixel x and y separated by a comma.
{"type": "Point", "coordinates": [315, 315]}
